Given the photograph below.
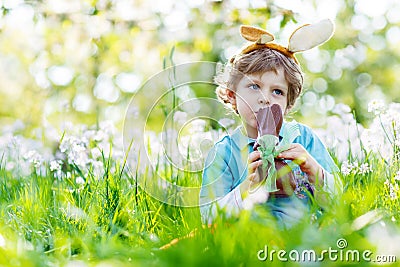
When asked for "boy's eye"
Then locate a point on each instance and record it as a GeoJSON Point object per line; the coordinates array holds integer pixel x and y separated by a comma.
{"type": "Point", "coordinates": [278, 91]}
{"type": "Point", "coordinates": [254, 86]}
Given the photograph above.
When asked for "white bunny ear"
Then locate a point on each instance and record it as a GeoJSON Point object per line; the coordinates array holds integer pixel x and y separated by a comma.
{"type": "Point", "coordinates": [311, 35]}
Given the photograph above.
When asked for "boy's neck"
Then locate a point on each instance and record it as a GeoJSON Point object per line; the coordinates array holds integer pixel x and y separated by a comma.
{"type": "Point", "coordinates": [251, 133]}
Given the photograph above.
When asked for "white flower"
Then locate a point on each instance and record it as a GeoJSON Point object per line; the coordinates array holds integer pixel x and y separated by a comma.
{"type": "Point", "coordinates": [108, 128]}
{"type": "Point", "coordinates": [392, 194]}
{"type": "Point", "coordinates": [364, 168]}
{"type": "Point", "coordinates": [34, 158]}
{"type": "Point", "coordinates": [180, 117]}
{"type": "Point", "coordinates": [100, 135]}
{"type": "Point", "coordinates": [391, 122]}
{"type": "Point", "coordinates": [346, 168]}
{"type": "Point", "coordinates": [341, 109]}
{"type": "Point", "coordinates": [226, 122]}
{"type": "Point", "coordinates": [198, 125]}
{"type": "Point", "coordinates": [397, 177]}
{"type": "Point", "coordinates": [376, 106]}
{"type": "Point", "coordinates": [395, 107]}
{"type": "Point", "coordinates": [66, 143]}
{"type": "Point", "coordinates": [169, 137]}
{"type": "Point", "coordinates": [55, 165]}
{"type": "Point", "coordinates": [223, 73]}
{"type": "Point", "coordinates": [397, 141]}
{"type": "Point", "coordinates": [396, 187]}
{"type": "Point", "coordinates": [75, 149]}
{"type": "Point", "coordinates": [74, 212]}
{"type": "Point", "coordinates": [153, 237]}
{"type": "Point", "coordinates": [382, 133]}
{"type": "Point", "coordinates": [374, 139]}
{"type": "Point", "coordinates": [153, 142]}
{"type": "Point", "coordinates": [89, 134]}
{"type": "Point", "coordinates": [98, 168]}
{"type": "Point", "coordinates": [96, 153]}
{"type": "Point", "coordinates": [10, 165]}
{"type": "Point", "coordinates": [341, 142]}
{"type": "Point", "coordinates": [80, 180]}
{"type": "Point", "coordinates": [393, 189]}
{"type": "Point", "coordinates": [133, 112]}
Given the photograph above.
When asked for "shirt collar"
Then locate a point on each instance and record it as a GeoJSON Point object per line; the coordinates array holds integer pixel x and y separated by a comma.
{"type": "Point", "coordinates": [240, 139]}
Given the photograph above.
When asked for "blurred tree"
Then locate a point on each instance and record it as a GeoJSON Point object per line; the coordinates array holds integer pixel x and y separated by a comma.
{"type": "Point", "coordinates": [82, 60]}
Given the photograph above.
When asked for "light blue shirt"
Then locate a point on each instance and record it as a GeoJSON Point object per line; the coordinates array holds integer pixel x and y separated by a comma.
{"type": "Point", "coordinates": [226, 167]}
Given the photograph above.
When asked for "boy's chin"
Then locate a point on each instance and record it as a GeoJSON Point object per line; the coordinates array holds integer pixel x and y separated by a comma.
{"type": "Point", "coordinates": [251, 127]}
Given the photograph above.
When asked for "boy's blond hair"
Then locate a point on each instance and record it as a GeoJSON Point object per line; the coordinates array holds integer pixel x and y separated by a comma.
{"type": "Point", "coordinates": [259, 61]}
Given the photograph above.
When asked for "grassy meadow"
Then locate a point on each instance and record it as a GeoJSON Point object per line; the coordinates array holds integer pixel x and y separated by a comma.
{"type": "Point", "coordinates": [77, 203]}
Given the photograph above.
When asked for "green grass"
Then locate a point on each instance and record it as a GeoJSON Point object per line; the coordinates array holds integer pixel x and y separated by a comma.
{"type": "Point", "coordinates": [111, 220]}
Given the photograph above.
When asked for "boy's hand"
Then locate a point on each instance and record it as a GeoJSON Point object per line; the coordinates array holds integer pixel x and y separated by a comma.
{"type": "Point", "coordinates": [253, 179]}
{"type": "Point", "coordinates": [299, 155]}
{"type": "Point", "coordinates": [253, 163]}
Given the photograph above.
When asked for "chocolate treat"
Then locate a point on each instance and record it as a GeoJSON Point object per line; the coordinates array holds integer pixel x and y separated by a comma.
{"type": "Point", "coordinates": [270, 121]}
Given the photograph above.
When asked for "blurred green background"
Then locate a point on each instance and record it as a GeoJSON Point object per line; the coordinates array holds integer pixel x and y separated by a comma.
{"type": "Point", "coordinates": [83, 60]}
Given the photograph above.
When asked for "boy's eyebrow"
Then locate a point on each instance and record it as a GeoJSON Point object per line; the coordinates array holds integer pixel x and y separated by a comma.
{"type": "Point", "coordinates": [280, 85]}
{"type": "Point", "coordinates": [253, 80]}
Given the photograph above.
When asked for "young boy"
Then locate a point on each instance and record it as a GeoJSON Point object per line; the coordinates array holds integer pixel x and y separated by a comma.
{"type": "Point", "coordinates": [264, 74]}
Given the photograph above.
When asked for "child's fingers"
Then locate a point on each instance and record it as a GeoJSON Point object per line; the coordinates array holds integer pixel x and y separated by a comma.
{"type": "Point", "coordinates": [254, 165]}
{"type": "Point", "coordinates": [253, 156]}
{"type": "Point", "coordinates": [254, 178]}
{"type": "Point", "coordinates": [254, 162]}
{"type": "Point", "coordinates": [294, 148]}
{"type": "Point", "coordinates": [295, 152]}
{"type": "Point", "coordinates": [298, 156]}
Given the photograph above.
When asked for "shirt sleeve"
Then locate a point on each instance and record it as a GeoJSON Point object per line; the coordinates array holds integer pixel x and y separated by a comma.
{"type": "Point", "coordinates": [231, 203]}
{"type": "Point", "coordinates": [219, 189]}
{"type": "Point", "coordinates": [317, 149]}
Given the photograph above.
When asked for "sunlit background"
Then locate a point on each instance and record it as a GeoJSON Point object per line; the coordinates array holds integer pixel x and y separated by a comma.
{"type": "Point", "coordinates": [82, 61]}
{"type": "Point", "coordinates": [72, 195]}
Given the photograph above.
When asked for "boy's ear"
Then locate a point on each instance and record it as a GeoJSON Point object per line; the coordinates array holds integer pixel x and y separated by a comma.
{"type": "Point", "coordinates": [231, 96]}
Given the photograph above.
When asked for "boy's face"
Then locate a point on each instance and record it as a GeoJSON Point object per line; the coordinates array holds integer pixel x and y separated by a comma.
{"type": "Point", "coordinates": [255, 91]}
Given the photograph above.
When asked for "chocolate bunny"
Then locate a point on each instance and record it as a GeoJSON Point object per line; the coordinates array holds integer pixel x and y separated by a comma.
{"type": "Point", "coordinates": [270, 120]}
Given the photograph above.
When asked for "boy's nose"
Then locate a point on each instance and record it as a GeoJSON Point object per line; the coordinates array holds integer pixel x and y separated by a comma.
{"type": "Point", "coordinates": [263, 101]}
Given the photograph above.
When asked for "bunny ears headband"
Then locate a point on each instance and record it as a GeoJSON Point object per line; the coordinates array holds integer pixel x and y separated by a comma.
{"type": "Point", "coordinates": [303, 38]}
